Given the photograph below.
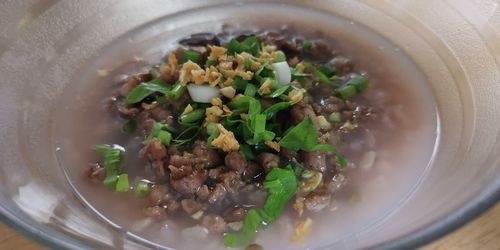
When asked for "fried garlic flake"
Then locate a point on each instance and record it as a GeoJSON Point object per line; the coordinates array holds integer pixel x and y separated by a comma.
{"type": "Point", "coordinates": [172, 60]}
{"type": "Point", "coordinates": [212, 76]}
{"type": "Point", "coordinates": [265, 88]}
{"type": "Point", "coordinates": [213, 114]}
{"type": "Point", "coordinates": [301, 231]}
{"type": "Point", "coordinates": [216, 52]}
{"type": "Point", "coordinates": [216, 102]}
{"type": "Point", "coordinates": [187, 69]}
{"type": "Point", "coordinates": [296, 96]}
{"type": "Point", "coordinates": [225, 140]}
{"type": "Point", "coordinates": [228, 92]}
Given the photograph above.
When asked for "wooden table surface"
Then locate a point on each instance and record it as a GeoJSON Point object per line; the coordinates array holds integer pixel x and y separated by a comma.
{"type": "Point", "coordinates": [482, 233]}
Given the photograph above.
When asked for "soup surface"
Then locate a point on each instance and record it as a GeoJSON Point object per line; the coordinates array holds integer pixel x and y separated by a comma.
{"type": "Point", "coordinates": [387, 149]}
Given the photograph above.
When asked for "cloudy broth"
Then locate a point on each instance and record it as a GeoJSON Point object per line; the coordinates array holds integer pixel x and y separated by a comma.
{"type": "Point", "coordinates": [390, 154]}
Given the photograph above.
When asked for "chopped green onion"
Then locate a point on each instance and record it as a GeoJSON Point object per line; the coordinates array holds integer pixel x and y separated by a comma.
{"type": "Point", "coordinates": [321, 76]}
{"type": "Point", "coordinates": [142, 189]}
{"type": "Point", "coordinates": [358, 81]}
{"type": "Point", "coordinates": [241, 102]}
{"type": "Point", "coordinates": [212, 129]}
{"type": "Point", "coordinates": [335, 117]}
{"type": "Point", "coordinates": [177, 91]}
{"type": "Point", "coordinates": [112, 161]}
{"type": "Point", "coordinates": [192, 117]}
{"type": "Point", "coordinates": [280, 56]}
{"type": "Point", "coordinates": [122, 183]}
{"type": "Point", "coordinates": [159, 133]}
{"type": "Point", "coordinates": [212, 132]}
{"type": "Point", "coordinates": [192, 56]}
{"type": "Point", "coordinates": [346, 91]}
{"type": "Point", "coordinates": [110, 181]}
{"type": "Point", "coordinates": [259, 126]}
{"type": "Point", "coordinates": [165, 137]}
{"type": "Point", "coordinates": [327, 70]}
{"type": "Point", "coordinates": [279, 91]}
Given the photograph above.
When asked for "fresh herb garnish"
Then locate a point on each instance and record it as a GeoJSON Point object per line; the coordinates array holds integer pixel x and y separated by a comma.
{"type": "Point", "coordinates": [246, 150]}
{"type": "Point", "coordinates": [281, 185]}
{"type": "Point", "coordinates": [112, 161]}
{"type": "Point", "coordinates": [239, 84]}
{"type": "Point", "coordinates": [145, 89]}
{"type": "Point", "coordinates": [122, 183]}
{"type": "Point", "coordinates": [248, 233]}
{"type": "Point", "coordinates": [250, 45]}
{"type": "Point", "coordinates": [358, 81]}
{"type": "Point", "coordinates": [159, 132]}
{"type": "Point", "coordinates": [305, 137]}
{"type": "Point", "coordinates": [250, 90]}
{"type": "Point", "coordinates": [256, 124]}
{"type": "Point", "coordinates": [192, 118]}
{"type": "Point", "coordinates": [142, 189]}
{"type": "Point", "coordinates": [177, 91]}
{"type": "Point", "coordinates": [275, 108]}
{"type": "Point", "coordinates": [192, 56]}
{"type": "Point", "coordinates": [346, 91]}
{"type": "Point", "coordinates": [279, 91]}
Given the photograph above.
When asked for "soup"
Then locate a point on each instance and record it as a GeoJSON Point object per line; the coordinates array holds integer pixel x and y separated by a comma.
{"type": "Point", "coordinates": [385, 133]}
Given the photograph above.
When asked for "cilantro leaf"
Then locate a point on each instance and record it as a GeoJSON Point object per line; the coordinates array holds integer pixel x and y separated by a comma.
{"type": "Point", "coordinates": [305, 137]}
{"type": "Point", "coordinates": [281, 184]}
{"type": "Point", "coordinates": [145, 89]}
{"type": "Point", "coordinates": [275, 108]}
{"type": "Point", "coordinates": [248, 233]}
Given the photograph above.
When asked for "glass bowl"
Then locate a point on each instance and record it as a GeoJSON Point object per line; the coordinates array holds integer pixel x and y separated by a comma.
{"type": "Point", "coordinates": [46, 47]}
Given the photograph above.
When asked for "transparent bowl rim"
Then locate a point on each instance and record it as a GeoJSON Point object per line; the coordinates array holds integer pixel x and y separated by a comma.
{"type": "Point", "coordinates": [473, 209]}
